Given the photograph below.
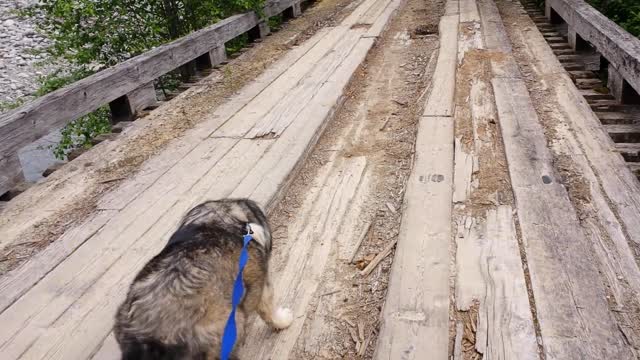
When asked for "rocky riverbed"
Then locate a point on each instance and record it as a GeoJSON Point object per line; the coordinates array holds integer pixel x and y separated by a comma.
{"type": "Point", "coordinates": [20, 67]}
{"type": "Point", "coordinates": [19, 58]}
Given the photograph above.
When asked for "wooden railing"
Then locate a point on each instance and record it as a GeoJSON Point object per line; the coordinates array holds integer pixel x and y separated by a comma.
{"type": "Point", "coordinates": [126, 87]}
{"type": "Point", "coordinates": [586, 25]}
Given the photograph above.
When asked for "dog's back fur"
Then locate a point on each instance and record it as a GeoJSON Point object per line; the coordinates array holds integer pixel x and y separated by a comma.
{"type": "Point", "coordinates": [178, 305]}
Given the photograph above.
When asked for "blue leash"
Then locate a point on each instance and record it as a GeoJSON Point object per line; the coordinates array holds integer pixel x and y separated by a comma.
{"type": "Point", "coordinates": [230, 331]}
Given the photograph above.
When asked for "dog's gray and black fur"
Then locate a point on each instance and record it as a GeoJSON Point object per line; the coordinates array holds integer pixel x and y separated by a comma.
{"type": "Point", "coordinates": [179, 303]}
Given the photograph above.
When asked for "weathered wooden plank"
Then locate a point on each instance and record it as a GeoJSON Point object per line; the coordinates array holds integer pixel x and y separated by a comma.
{"type": "Point", "coordinates": [33, 312]}
{"type": "Point", "coordinates": [462, 182]}
{"type": "Point", "coordinates": [11, 172]}
{"type": "Point", "coordinates": [14, 284]}
{"type": "Point", "coordinates": [108, 350]}
{"type": "Point", "coordinates": [496, 40]}
{"type": "Point", "coordinates": [490, 272]}
{"type": "Point", "coordinates": [91, 314]}
{"type": "Point", "coordinates": [316, 115]}
{"type": "Point", "coordinates": [443, 82]}
{"type": "Point", "coordinates": [356, 16]}
{"type": "Point", "coordinates": [298, 281]}
{"type": "Point", "coordinates": [452, 7]}
{"type": "Point", "coordinates": [294, 101]}
{"type": "Point", "coordinates": [246, 118]}
{"type": "Point", "coordinates": [373, 13]}
{"type": "Point", "coordinates": [617, 183]}
{"type": "Point", "coordinates": [157, 166]}
{"type": "Point", "coordinates": [607, 216]}
{"type": "Point", "coordinates": [382, 21]}
{"type": "Point", "coordinates": [415, 317]}
{"type": "Point", "coordinates": [564, 278]}
{"type": "Point", "coordinates": [469, 11]}
{"type": "Point", "coordinates": [37, 118]}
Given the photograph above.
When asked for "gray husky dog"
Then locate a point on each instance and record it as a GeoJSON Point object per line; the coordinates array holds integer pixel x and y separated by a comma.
{"type": "Point", "coordinates": [179, 303]}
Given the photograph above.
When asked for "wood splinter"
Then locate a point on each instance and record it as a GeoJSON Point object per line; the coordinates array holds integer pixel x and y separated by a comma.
{"type": "Point", "coordinates": [383, 254]}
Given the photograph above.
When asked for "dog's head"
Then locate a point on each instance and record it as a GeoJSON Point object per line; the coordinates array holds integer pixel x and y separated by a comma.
{"type": "Point", "coordinates": [233, 214]}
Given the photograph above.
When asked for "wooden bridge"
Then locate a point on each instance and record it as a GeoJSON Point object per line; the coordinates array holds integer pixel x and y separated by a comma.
{"type": "Point", "coordinates": [445, 179]}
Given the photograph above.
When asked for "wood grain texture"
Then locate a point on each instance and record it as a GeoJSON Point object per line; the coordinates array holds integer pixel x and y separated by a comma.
{"type": "Point", "coordinates": [47, 113]}
{"type": "Point", "coordinates": [561, 260]}
{"type": "Point", "coordinates": [489, 273]}
{"type": "Point", "coordinates": [415, 317]}
{"type": "Point", "coordinates": [443, 83]}
{"type": "Point", "coordinates": [609, 218]}
{"type": "Point", "coordinates": [298, 281]}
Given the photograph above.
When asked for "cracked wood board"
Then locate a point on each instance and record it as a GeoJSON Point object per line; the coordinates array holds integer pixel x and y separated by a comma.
{"type": "Point", "coordinates": [440, 100]}
{"type": "Point", "coordinates": [489, 270]}
{"type": "Point", "coordinates": [599, 215]}
{"type": "Point", "coordinates": [298, 280]}
{"type": "Point", "coordinates": [560, 258]}
{"type": "Point", "coordinates": [415, 317]}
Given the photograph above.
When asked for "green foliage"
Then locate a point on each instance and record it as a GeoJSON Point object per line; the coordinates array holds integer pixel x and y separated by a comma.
{"type": "Point", "coordinates": [10, 105]}
{"type": "Point", "coordinates": [275, 22]}
{"type": "Point", "coordinates": [90, 35]}
{"type": "Point", "coordinates": [102, 33]}
{"type": "Point", "coordinates": [59, 79]}
{"type": "Point", "coordinates": [234, 45]}
{"type": "Point", "coordinates": [79, 133]}
{"type": "Point", "coordinates": [625, 13]}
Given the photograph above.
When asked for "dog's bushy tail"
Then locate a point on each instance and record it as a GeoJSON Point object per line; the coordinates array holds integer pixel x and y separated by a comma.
{"type": "Point", "coordinates": [153, 350]}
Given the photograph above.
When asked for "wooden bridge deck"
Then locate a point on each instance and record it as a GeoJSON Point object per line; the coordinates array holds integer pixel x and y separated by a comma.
{"type": "Point", "coordinates": [60, 305]}
{"type": "Point", "coordinates": [496, 248]}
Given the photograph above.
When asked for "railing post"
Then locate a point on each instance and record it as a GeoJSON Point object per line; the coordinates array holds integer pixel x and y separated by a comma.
{"type": "Point", "coordinates": [615, 82]}
{"type": "Point", "coordinates": [260, 31]}
{"type": "Point", "coordinates": [125, 107]}
{"type": "Point", "coordinates": [218, 55]}
{"type": "Point", "coordinates": [547, 9]}
{"type": "Point", "coordinates": [294, 11]}
{"type": "Point", "coordinates": [11, 174]}
{"type": "Point", "coordinates": [211, 58]}
{"type": "Point", "coordinates": [620, 88]}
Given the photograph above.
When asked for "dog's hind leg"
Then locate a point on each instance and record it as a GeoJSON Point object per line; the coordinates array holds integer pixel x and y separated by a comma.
{"type": "Point", "coordinates": [277, 318]}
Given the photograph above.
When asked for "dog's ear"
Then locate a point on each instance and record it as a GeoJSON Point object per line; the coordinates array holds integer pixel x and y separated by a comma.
{"type": "Point", "coordinates": [260, 235]}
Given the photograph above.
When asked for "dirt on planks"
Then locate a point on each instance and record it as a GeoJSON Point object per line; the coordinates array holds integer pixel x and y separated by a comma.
{"type": "Point", "coordinates": [478, 135]}
{"type": "Point", "coordinates": [164, 124]}
{"type": "Point", "coordinates": [377, 124]}
{"type": "Point", "coordinates": [542, 89]}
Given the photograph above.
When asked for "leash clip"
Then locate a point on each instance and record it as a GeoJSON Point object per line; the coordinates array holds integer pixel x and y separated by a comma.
{"type": "Point", "coordinates": [248, 228]}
